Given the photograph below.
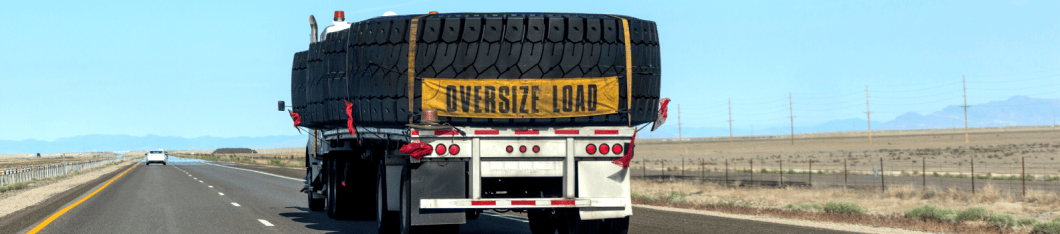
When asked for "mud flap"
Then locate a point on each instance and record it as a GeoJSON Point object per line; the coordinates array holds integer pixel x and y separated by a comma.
{"type": "Point", "coordinates": [602, 179]}
{"type": "Point", "coordinates": [436, 179]}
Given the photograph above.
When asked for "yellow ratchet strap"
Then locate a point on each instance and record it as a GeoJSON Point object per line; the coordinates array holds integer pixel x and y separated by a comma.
{"type": "Point", "coordinates": [629, 69]}
{"type": "Point", "coordinates": [412, 64]}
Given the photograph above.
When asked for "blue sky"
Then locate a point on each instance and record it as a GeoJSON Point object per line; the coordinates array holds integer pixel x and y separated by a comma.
{"type": "Point", "coordinates": [212, 68]}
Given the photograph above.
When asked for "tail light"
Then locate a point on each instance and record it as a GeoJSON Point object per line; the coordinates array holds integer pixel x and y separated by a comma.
{"type": "Point", "coordinates": [509, 149]}
{"type": "Point", "coordinates": [454, 149]}
{"type": "Point", "coordinates": [440, 149]}
{"type": "Point", "coordinates": [617, 148]}
{"type": "Point", "coordinates": [604, 148]}
{"type": "Point", "coordinates": [590, 149]}
{"type": "Point", "coordinates": [522, 149]}
{"type": "Point", "coordinates": [536, 149]}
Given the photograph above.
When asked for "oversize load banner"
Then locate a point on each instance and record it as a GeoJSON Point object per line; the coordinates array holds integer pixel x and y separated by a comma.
{"type": "Point", "coordinates": [521, 98]}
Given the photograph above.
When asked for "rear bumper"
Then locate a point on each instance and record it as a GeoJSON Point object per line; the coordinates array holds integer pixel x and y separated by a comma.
{"type": "Point", "coordinates": [522, 203]}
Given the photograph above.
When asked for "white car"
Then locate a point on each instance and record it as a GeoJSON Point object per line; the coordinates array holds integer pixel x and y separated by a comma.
{"type": "Point", "coordinates": [157, 156]}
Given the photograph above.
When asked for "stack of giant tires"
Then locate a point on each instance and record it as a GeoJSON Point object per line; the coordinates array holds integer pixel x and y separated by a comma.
{"type": "Point", "coordinates": [367, 64]}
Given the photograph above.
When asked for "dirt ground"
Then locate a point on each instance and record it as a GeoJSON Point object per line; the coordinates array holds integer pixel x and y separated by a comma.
{"type": "Point", "coordinates": [994, 154]}
{"type": "Point", "coordinates": [27, 162]}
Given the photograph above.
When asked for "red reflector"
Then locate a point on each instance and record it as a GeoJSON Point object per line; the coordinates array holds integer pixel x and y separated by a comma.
{"type": "Point", "coordinates": [509, 149]}
{"type": "Point", "coordinates": [440, 149]}
{"type": "Point", "coordinates": [527, 132]}
{"type": "Point", "coordinates": [604, 148]}
{"type": "Point", "coordinates": [590, 149]}
{"type": "Point", "coordinates": [606, 132]}
{"type": "Point", "coordinates": [617, 148]}
{"type": "Point", "coordinates": [415, 132]}
{"type": "Point", "coordinates": [446, 132]}
{"type": "Point", "coordinates": [487, 132]}
{"type": "Point", "coordinates": [563, 203]}
{"type": "Point", "coordinates": [522, 149]}
{"type": "Point", "coordinates": [575, 132]}
{"type": "Point", "coordinates": [483, 203]}
{"type": "Point", "coordinates": [536, 149]}
{"type": "Point", "coordinates": [433, 12]}
{"type": "Point", "coordinates": [454, 149]}
{"type": "Point", "coordinates": [524, 203]}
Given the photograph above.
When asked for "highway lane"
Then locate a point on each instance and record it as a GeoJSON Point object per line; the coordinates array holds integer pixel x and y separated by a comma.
{"type": "Point", "coordinates": [187, 196]}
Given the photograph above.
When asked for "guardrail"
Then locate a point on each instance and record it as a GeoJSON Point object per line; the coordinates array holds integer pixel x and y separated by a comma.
{"type": "Point", "coordinates": [37, 172]}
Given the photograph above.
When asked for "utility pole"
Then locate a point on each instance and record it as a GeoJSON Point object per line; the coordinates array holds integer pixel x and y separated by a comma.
{"type": "Point", "coordinates": [965, 106]}
{"type": "Point", "coordinates": [791, 111]}
{"type": "Point", "coordinates": [680, 137]}
{"type": "Point", "coordinates": [868, 114]}
{"type": "Point", "coordinates": [730, 123]}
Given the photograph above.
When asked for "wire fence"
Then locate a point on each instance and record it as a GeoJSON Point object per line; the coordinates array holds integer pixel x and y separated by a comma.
{"type": "Point", "coordinates": [38, 172]}
{"type": "Point", "coordinates": [1019, 175]}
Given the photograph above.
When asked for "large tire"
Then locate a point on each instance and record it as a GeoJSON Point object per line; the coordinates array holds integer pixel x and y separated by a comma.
{"type": "Point", "coordinates": [542, 222]}
{"type": "Point", "coordinates": [367, 64]}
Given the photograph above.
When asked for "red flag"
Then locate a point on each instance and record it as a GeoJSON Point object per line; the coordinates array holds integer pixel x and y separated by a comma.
{"type": "Point", "coordinates": [625, 159]}
{"type": "Point", "coordinates": [297, 119]}
{"type": "Point", "coordinates": [417, 149]}
{"type": "Point", "coordinates": [349, 118]}
{"type": "Point", "coordinates": [662, 113]}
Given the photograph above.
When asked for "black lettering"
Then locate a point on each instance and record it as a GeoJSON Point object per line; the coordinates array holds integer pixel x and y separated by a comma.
{"type": "Point", "coordinates": [502, 93]}
{"type": "Point", "coordinates": [465, 95]}
{"type": "Point", "coordinates": [522, 105]}
{"type": "Point", "coordinates": [490, 94]}
{"type": "Point", "coordinates": [592, 97]}
{"type": "Point", "coordinates": [568, 99]}
{"type": "Point", "coordinates": [478, 109]}
{"type": "Point", "coordinates": [515, 99]}
{"type": "Point", "coordinates": [555, 107]}
{"type": "Point", "coordinates": [579, 101]}
{"type": "Point", "coordinates": [450, 98]}
{"type": "Point", "coordinates": [533, 99]}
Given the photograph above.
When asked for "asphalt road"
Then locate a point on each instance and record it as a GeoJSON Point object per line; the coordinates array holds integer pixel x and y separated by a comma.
{"type": "Point", "coordinates": [191, 197]}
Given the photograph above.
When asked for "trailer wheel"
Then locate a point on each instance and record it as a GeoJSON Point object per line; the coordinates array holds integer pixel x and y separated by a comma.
{"type": "Point", "coordinates": [329, 183]}
{"type": "Point", "coordinates": [616, 226]}
{"type": "Point", "coordinates": [315, 204]}
{"type": "Point", "coordinates": [339, 208]}
{"type": "Point", "coordinates": [387, 220]}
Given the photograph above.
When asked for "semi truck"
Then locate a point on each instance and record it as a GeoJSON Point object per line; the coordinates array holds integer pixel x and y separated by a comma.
{"type": "Point", "coordinates": [422, 122]}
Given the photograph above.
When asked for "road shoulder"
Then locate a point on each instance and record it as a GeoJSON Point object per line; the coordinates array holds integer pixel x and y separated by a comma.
{"type": "Point", "coordinates": [813, 224]}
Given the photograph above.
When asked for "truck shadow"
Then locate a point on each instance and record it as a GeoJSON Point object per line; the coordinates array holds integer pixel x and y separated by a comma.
{"type": "Point", "coordinates": [318, 220]}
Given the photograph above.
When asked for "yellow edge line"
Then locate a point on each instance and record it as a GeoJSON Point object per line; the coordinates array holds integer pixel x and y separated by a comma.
{"type": "Point", "coordinates": [61, 212]}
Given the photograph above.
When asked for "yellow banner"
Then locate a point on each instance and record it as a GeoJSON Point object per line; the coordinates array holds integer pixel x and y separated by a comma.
{"type": "Point", "coordinates": [521, 98]}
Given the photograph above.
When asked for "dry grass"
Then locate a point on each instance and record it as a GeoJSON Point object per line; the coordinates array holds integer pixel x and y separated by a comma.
{"type": "Point", "coordinates": [893, 202]}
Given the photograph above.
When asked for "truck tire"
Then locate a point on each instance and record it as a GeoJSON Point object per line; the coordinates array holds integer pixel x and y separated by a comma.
{"type": "Point", "coordinates": [338, 203]}
{"type": "Point", "coordinates": [369, 63]}
{"type": "Point", "coordinates": [315, 204]}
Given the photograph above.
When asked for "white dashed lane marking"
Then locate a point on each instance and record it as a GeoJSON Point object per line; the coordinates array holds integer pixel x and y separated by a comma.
{"type": "Point", "coordinates": [266, 223]}
{"type": "Point", "coordinates": [211, 186]}
{"type": "Point", "coordinates": [235, 204]}
{"type": "Point", "coordinates": [222, 194]}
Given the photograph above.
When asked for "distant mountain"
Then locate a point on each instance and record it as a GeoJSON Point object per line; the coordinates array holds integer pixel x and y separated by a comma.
{"type": "Point", "coordinates": [98, 143]}
{"type": "Point", "coordinates": [1016, 111]}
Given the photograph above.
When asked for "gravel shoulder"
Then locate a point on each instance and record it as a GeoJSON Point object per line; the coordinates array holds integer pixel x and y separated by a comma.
{"type": "Point", "coordinates": [803, 223]}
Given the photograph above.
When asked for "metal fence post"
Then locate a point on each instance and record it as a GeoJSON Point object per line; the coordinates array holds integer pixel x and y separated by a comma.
{"type": "Point", "coordinates": [662, 163]}
{"type": "Point", "coordinates": [644, 168]}
{"type": "Point", "coordinates": [844, 172]}
{"type": "Point", "coordinates": [781, 172]}
{"type": "Point", "coordinates": [726, 170]}
{"type": "Point", "coordinates": [752, 161]}
{"type": "Point", "coordinates": [973, 176]}
{"type": "Point", "coordinates": [883, 176]}
{"type": "Point", "coordinates": [923, 171]}
{"type": "Point", "coordinates": [811, 172]}
{"type": "Point", "coordinates": [1023, 161]}
{"type": "Point", "coordinates": [682, 168]}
